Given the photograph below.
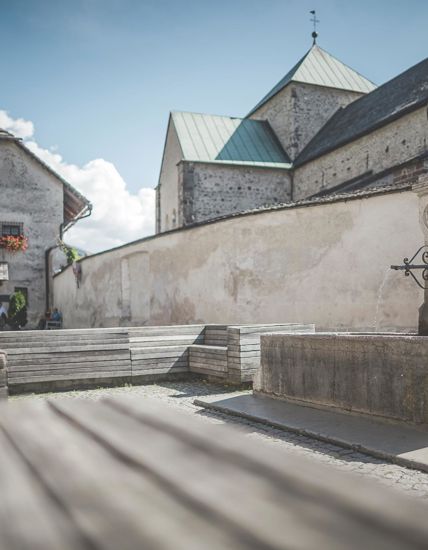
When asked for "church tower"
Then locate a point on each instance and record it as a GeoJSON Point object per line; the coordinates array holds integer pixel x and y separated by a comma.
{"type": "Point", "coordinates": [308, 95]}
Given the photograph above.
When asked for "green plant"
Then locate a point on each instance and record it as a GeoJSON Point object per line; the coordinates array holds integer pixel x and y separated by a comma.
{"type": "Point", "coordinates": [17, 313]}
{"type": "Point", "coordinates": [71, 253]}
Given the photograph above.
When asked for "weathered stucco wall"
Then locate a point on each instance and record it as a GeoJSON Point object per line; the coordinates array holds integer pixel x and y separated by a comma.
{"type": "Point", "coordinates": [169, 183]}
{"type": "Point", "coordinates": [298, 111]}
{"type": "Point", "coordinates": [213, 190]}
{"type": "Point", "coordinates": [324, 264]}
{"type": "Point", "coordinates": [393, 144]}
{"type": "Point", "coordinates": [32, 196]}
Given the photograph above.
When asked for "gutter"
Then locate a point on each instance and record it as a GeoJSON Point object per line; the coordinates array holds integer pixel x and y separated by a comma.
{"type": "Point", "coordinates": [85, 213]}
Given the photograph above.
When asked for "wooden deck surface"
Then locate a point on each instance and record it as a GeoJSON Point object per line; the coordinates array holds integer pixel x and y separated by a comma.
{"type": "Point", "coordinates": [125, 474]}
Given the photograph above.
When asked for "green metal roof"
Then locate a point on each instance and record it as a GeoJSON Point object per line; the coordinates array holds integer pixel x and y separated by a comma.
{"type": "Point", "coordinates": [320, 68]}
{"type": "Point", "coordinates": [226, 140]}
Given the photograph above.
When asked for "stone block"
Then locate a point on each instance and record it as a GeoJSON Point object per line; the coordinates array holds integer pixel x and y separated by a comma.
{"type": "Point", "coordinates": [381, 375]}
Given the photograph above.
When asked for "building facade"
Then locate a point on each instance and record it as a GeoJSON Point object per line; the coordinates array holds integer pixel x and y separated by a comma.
{"type": "Point", "coordinates": [36, 206]}
{"type": "Point", "coordinates": [323, 129]}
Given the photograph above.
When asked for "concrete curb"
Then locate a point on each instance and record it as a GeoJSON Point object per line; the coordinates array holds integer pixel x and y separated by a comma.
{"type": "Point", "coordinates": [389, 435]}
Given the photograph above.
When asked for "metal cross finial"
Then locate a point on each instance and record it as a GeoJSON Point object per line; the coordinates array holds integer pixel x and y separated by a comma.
{"type": "Point", "coordinates": [314, 21]}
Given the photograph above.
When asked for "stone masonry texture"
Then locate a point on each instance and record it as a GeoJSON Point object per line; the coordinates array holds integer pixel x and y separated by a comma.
{"type": "Point", "coordinates": [299, 111]}
{"type": "Point", "coordinates": [34, 197]}
{"type": "Point", "coordinates": [211, 190]}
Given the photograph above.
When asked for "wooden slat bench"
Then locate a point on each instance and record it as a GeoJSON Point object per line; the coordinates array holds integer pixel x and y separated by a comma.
{"type": "Point", "coordinates": [208, 360]}
{"type": "Point", "coordinates": [3, 375]}
{"type": "Point", "coordinates": [125, 474]}
{"type": "Point", "coordinates": [162, 351]}
{"type": "Point", "coordinates": [243, 347]}
{"type": "Point", "coordinates": [83, 358]}
{"type": "Point", "coordinates": [66, 359]}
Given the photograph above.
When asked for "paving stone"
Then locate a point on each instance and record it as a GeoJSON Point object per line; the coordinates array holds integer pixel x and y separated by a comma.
{"type": "Point", "coordinates": [181, 395]}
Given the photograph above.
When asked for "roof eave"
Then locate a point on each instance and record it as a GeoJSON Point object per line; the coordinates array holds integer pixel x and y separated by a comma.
{"type": "Point", "coordinates": [249, 164]}
{"type": "Point", "coordinates": [367, 131]}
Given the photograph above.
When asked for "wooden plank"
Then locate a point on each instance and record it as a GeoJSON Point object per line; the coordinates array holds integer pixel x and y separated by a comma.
{"type": "Point", "coordinates": [72, 376]}
{"type": "Point", "coordinates": [162, 370]}
{"type": "Point", "coordinates": [129, 475]}
{"type": "Point", "coordinates": [249, 353]}
{"type": "Point", "coordinates": [195, 330]}
{"type": "Point", "coordinates": [55, 359]}
{"type": "Point", "coordinates": [208, 361]}
{"type": "Point", "coordinates": [66, 343]}
{"type": "Point", "coordinates": [159, 360]}
{"type": "Point", "coordinates": [218, 350]}
{"type": "Point", "coordinates": [246, 347]}
{"type": "Point", "coordinates": [67, 349]}
{"type": "Point", "coordinates": [162, 341]}
{"type": "Point", "coordinates": [113, 504]}
{"type": "Point", "coordinates": [211, 369]}
{"type": "Point", "coordinates": [159, 354]}
{"type": "Point", "coordinates": [209, 372]}
{"type": "Point", "coordinates": [296, 506]}
{"type": "Point", "coordinates": [76, 368]}
{"type": "Point", "coordinates": [29, 517]}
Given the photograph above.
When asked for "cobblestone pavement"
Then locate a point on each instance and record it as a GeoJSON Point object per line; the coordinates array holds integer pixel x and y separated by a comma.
{"type": "Point", "coordinates": [182, 394]}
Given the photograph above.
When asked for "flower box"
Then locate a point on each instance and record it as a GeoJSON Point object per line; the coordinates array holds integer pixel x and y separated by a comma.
{"type": "Point", "coordinates": [13, 243]}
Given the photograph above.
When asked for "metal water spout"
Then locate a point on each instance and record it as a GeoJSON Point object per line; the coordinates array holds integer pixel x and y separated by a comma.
{"type": "Point", "coordinates": [417, 268]}
{"type": "Point", "coordinates": [420, 267]}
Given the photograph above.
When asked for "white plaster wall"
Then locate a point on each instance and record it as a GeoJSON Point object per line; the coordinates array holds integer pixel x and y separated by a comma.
{"type": "Point", "coordinates": [168, 181]}
{"type": "Point", "coordinates": [384, 148]}
{"type": "Point", "coordinates": [31, 195]}
{"type": "Point", "coordinates": [300, 110]}
{"type": "Point", "coordinates": [325, 264]}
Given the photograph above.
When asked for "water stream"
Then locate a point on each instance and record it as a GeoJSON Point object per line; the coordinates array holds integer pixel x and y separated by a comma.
{"type": "Point", "coordinates": [379, 297]}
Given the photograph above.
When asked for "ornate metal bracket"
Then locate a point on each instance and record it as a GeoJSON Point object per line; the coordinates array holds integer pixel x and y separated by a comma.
{"type": "Point", "coordinates": [408, 267]}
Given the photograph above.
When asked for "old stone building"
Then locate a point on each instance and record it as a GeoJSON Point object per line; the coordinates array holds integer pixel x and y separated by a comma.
{"type": "Point", "coordinates": [37, 205]}
{"type": "Point", "coordinates": [322, 129]}
{"type": "Point", "coordinates": [292, 214]}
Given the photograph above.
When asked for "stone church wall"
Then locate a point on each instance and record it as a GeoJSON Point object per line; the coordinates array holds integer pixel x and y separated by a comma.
{"type": "Point", "coordinates": [299, 111]}
{"type": "Point", "coordinates": [212, 190]}
{"type": "Point", "coordinates": [391, 145]}
{"type": "Point", "coordinates": [32, 196]}
{"type": "Point", "coordinates": [326, 264]}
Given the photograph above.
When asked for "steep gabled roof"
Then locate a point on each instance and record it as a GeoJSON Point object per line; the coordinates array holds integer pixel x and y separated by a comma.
{"type": "Point", "coordinates": [320, 68]}
{"type": "Point", "coordinates": [75, 204]}
{"type": "Point", "coordinates": [226, 140]}
{"type": "Point", "coordinates": [404, 93]}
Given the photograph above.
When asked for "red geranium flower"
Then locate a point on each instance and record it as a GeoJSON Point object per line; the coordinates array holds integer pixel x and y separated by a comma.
{"type": "Point", "coordinates": [14, 244]}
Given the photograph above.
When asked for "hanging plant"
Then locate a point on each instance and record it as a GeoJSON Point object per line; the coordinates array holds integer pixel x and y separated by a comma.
{"type": "Point", "coordinates": [13, 243]}
{"type": "Point", "coordinates": [71, 253]}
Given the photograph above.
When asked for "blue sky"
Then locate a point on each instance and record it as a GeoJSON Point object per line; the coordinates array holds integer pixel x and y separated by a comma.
{"type": "Point", "coordinates": [98, 77]}
{"type": "Point", "coordinates": [89, 83]}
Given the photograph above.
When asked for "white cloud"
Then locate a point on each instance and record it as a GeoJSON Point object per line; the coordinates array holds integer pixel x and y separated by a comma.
{"type": "Point", "coordinates": [19, 127]}
{"type": "Point", "coordinates": [118, 215]}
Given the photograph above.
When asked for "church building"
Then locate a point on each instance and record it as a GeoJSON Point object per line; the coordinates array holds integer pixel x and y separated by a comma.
{"type": "Point", "coordinates": [323, 129]}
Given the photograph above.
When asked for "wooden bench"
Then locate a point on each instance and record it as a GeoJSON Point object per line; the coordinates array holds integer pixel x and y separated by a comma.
{"type": "Point", "coordinates": [125, 474]}
{"type": "Point", "coordinates": [53, 325]}
{"type": "Point", "coordinates": [3, 375]}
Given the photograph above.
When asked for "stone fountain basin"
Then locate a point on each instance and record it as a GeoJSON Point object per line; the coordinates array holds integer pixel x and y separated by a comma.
{"type": "Point", "coordinates": [376, 374]}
